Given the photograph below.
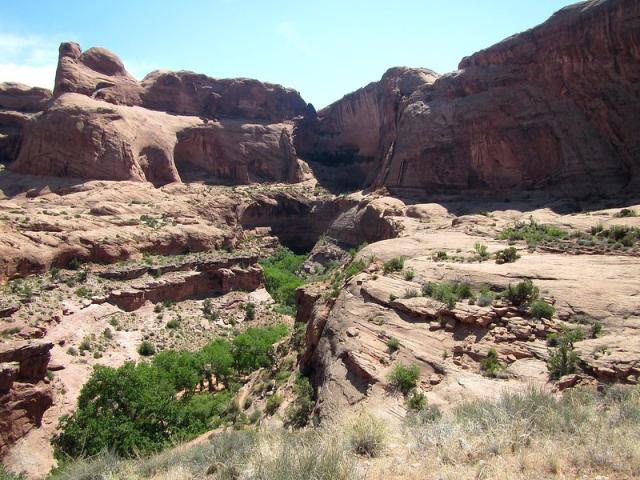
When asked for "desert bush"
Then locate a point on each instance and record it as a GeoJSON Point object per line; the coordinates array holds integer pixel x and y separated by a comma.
{"type": "Point", "coordinates": [508, 255]}
{"type": "Point", "coordinates": [482, 251]}
{"type": "Point", "coordinates": [417, 400]}
{"type": "Point", "coordinates": [410, 293]}
{"type": "Point", "coordinates": [541, 309]}
{"type": "Point", "coordinates": [250, 311]}
{"type": "Point", "coordinates": [409, 274]}
{"type": "Point", "coordinates": [355, 268]}
{"type": "Point", "coordinates": [367, 435]}
{"type": "Point", "coordinates": [448, 292]}
{"type": "Point", "coordinates": [625, 212]}
{"type": "Point", "coordinates": [396, 264]}
{"type": "Point", "coordinates": [146, 349]}
{"type": "Point", "coordinates": [533, 233]}
{"type": "Point", "coordinates": [523, 293]}
{"type": "Point", "coordinates": [403, 377]}
{"type": "Point", "coordinates": [393, 344]}
{"type": "Point", "coordinates": [173, 323]}
{"type": "Point", "coordinates": [563, 360]}
{"type": "Point", "coordinates": [273, 403]}
{"type": "Point", "coordinates": [490, 365]}
{"type": "Point", "coordinates": [297, 414]}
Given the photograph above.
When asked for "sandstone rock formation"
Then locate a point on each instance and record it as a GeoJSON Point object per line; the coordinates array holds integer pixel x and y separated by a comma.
{"type": "Point", "coordinates": [18, 104]}
{"type": "Point", "coordinates": [557, 104]}
{"type": "Point", "coordinates": [104, 124]}
{"type": "Point", "coordinates": [24, 397]}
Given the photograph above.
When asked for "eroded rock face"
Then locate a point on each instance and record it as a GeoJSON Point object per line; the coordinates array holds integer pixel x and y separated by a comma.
{"type": "Point", "coordinates": [346, 141]}
{"type": "Point", "coordinates": [558, 104]}
{"type": "Point", "coordinates": [18, 104]}
{"type": "Point", "coordinates": [24, 397]}
{"type": "Point", "coordinates": [106, 125]}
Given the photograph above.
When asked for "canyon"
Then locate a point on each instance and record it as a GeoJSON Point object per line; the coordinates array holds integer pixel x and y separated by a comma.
{"type": "Point", "coordinates": [147, 212]}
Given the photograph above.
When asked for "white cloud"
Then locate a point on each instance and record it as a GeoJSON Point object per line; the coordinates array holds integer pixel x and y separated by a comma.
{"type": "Point", "coordinates": [42, 76]}
{"type": "Point", "coordinates": [29, 59]}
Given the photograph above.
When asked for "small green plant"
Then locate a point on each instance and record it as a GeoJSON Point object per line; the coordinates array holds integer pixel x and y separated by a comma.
{"type": "Point", "coordinates": [84, 292]}
{"type": "Point", "coordinates": [448, 292]}
{"type": "Point", "coordinates": [490, 365]}
{"type": "Point", "coordinates": [173, 324]}
{"type": "Point", "coordinates": [563, 359]}
{"type": "Point", "coordinates": [146, 349]}
{"type": "Point", "coordinates": [107, 333]}
{"type": "Point", "coordinates": [250, 311]}
{"type": "Point", "coordinates": [417, 400]}
{"type": "Point", "coordinates": [533, 233]}
{"type": "Point", "coordinates": [273, 403]}
{"type": "Point", "coordinates": [541, 309]}
{"type": "Point", "coordinates": [74, 264]}
{"type": "Point", "coordinates": [409, 274]}
{"type": "Point", "coordinates": [393, 344]}
{"type": "Point", "coordinates": [626, 212]}
{"type": "Point", "coordinates": [482, 251]}
{"type": "Point", "coordinates": [150, 221]}
{"type": "Point", "coordinates": [85, 344]}
{"type": "Point", "coordinates": [354, 268]}
{"type": "Point", "coordinates": [596, 329]}
{"type": "Point", "coordinates": [72, 351]}
{"type": "Point", "coordinates": [396, 264]}
{"type": "Point", "coordinates": [440, 255]}
{"type": "Point", "coordinates": [508, 255]}
{"type": "Point", "coordinates": [523, 293]}
{"type": "Point", "coordinates": [403, 377]}
{"type": "Point", "coordinates": [392, 297]}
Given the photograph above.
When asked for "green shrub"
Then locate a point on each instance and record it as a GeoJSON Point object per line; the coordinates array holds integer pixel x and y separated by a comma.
{"type": "Point", "coordinates": [355, 268]}
{"type": "Point", "coordinates": [146, 349]}
{"type": "Point", "coordinates": [367, 435]}
{"type": "Point", "coordinates": [297, 414]}
{"type": "Point", "coordinates": [74, 264]}
{"type": "Point", "coordinates": [533, 232]}
{"type": "Point", "coordinates": [403, 377]}
{"type": "Point", "coordinates": [490, 365]}
{"type": "Point", "coordinates": [523, 293]}
{"type": "Point", "coordinates": [250, 311]}
{"type": "Point", "coordinates": [72, 351]}
{"type": "Point", "coordinates": [448, 292]}
{"type": "Point", "coordinates": [482, 251]}
{"type": "Point", "coordinates": [508, 255]}
{"type": "Point", "coordinates": [626, 212]}
{"type": "Point", "coordinates": [562, 360]}
{"type": "Point", "coordinates": [396, 264]}
{"type": "Point", "coordinates": [409, 274]}
{"type": "Point", "coordinates": [252, 349]}
{"type": "Point", "coordinates": [596, 329]}
{"type": "Point", "coordinates": [281, 279]}
{"type": "Point", "coordinates": [107, 333]}
{"type": "Point", "coordinates": [173, 323]}
{"type": "Point", "coordinates": [440, 255]}
{"type": "Point", "coordinates": [393, 344]}
{"type": "Point", "coordinates": [417, 400]}
{"type": "Point", "coordinates": [273, 403]}
{"type": "Point", "coordinates": [541, 309]}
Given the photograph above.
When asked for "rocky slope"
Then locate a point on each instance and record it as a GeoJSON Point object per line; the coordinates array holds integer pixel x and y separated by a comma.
{"type": "Point", "coordinates": [558, 104]}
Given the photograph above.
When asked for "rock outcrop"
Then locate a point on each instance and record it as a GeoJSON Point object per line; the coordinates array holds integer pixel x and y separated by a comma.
{"type": "Point", "coordinates": [558, 104]}
{"type": "Point", "coordinates": [104, 124]}
{"type": "Point", "coordinates": [24, 395]}
{"type": "Point", "coordinates": [18, 104]}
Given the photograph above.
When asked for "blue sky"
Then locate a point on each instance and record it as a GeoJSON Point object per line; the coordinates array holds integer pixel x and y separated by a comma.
{"type": "Point", "coordinates": [324, 49]}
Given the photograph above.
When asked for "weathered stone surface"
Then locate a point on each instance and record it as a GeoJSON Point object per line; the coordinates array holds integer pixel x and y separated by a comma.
{"type": "Point", "coordinates": [343, 142]}
{"type": "Point", "coordinates": [18, 97]}
{"type": "Point", "coordinates": [23, 399]}
{"type": "Point", "coordinates": [33, 358]}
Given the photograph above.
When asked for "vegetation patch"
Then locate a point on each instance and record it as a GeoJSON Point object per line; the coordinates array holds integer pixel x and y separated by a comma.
{"type": "Point", "coordinates": [448, 292]}
{"type": "Point", "coordinates": [282, 278]}
{"type": "Point", "coordinates": [533, 233]}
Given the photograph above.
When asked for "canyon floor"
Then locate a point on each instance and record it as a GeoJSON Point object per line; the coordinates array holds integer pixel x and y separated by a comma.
{"type": "Point", "coordinates": [168, 255]}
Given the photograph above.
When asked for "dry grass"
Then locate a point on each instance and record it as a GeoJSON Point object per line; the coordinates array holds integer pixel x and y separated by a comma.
{"type": "Point", "coordinates": [521, 436]}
